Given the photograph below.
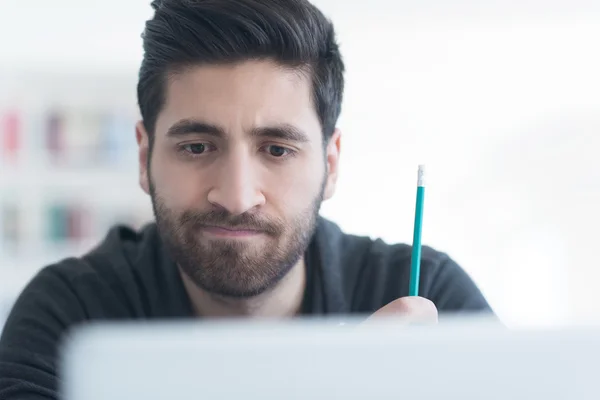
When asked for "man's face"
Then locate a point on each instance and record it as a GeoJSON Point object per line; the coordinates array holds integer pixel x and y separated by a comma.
{"type": "Point", "coordinates": [237, 173]}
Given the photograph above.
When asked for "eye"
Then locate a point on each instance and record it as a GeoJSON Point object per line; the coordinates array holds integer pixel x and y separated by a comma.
{"type": "Point", "coordinates": [196, 149]}
{"type": "Point", "coordinates": [278, 151]}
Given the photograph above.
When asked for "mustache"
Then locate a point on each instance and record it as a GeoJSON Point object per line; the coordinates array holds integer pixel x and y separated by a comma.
{"type": "Point", "coordinates": [224, 219]}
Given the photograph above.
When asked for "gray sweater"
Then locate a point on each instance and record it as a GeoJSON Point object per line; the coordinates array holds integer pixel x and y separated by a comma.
{"type": "Point", "coordinates": [131, 276]}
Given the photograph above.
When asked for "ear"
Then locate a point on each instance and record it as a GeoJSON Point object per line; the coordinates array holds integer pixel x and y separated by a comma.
{"type": "Point", "coordinates": [333, 159]}
{"type": "Point", "coordinates": [143, 150]}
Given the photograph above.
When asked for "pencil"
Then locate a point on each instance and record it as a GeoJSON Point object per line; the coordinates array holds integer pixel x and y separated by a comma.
{"type": "Point", "coordinates": [415, 265]}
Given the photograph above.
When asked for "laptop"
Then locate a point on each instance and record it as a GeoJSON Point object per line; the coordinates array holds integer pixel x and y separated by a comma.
{"type": "Point", "coordinates": [320, 359]}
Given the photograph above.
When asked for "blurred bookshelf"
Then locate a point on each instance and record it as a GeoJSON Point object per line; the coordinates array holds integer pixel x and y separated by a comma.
{"type": "Point", "coordinates": [68, 166]}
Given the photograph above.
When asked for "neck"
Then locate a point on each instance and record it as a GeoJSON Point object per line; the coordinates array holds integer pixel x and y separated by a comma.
{"type": "Point", "coordinates": [283, 300]}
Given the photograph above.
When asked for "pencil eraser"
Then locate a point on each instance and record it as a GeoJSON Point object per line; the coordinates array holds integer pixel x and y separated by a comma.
{"type": "Point", "coordinates": [421, 176]}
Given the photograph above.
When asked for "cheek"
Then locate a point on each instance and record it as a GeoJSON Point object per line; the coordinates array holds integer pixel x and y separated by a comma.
{"type": "Point", "coordinates": [294, 189]}
{"type": "Point", "coordinates": [178, 184]}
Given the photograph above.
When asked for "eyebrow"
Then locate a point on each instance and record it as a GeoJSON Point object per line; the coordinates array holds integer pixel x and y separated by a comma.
{"type": "Point", "coordinates": [187, 127]}
{"type": "Point", "coordinates": [282, 131]}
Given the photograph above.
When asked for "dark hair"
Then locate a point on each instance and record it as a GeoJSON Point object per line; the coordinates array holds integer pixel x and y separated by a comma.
{"type": "Point", "coordinates": [294, 33]}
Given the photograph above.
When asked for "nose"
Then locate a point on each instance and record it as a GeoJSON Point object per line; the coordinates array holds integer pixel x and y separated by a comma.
{"type": "Point", "coordinates": [237, 187]}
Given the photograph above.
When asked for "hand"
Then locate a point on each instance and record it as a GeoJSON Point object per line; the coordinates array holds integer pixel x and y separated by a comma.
{"type": "Point", "coordinates": [410, 309]}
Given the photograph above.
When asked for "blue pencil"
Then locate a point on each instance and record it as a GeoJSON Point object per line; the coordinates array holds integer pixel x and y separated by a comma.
{"type": "Point", "coordinates": [415, 265]}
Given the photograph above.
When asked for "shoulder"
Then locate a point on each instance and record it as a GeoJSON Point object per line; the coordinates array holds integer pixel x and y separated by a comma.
{"type": "Point", "coordinates": [99, 284]}
{"type": "Point", "coordinates": [47, 307]}
{"type": "Point", "coordinates": [106, 283]}
{"type": "Point", "coordinates": [374, 273]}
{"type": "Point", "coordinates": [49, 299]}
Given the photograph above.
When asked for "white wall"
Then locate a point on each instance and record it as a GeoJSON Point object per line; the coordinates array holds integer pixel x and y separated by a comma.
{"type": "Point", "coordinates": [499, 99]}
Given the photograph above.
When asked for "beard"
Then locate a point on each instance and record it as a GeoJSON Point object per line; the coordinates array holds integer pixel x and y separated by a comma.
{"type": "Point", "coordinates": [235, 268]}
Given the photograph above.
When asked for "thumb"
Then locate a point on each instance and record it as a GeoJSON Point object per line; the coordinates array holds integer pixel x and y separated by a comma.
{"type": "Point", "coordinates": [411, 309]}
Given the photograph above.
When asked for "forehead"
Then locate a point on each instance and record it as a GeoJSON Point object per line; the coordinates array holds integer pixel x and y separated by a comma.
{"type": "Point", "coordinates": [240, 97]}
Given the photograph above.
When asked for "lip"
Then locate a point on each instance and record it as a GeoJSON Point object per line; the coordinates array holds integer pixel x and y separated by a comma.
{"type": "Point", "coordinates": [227, 232]}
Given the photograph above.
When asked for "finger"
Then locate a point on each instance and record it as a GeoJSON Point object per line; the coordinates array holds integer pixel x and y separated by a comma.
{"type": "Point", "coordinates": [411, 309]}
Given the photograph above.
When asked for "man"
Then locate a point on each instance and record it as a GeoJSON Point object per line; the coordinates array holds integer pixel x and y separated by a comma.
{"type": "Point", "coordinates": [238, 147]}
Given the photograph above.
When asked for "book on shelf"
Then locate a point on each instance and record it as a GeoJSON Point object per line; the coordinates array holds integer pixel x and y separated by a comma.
{"type": "Point", "coordinates": [63, 224]}
{"type": "Point", "coordinates": [47, 146]}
